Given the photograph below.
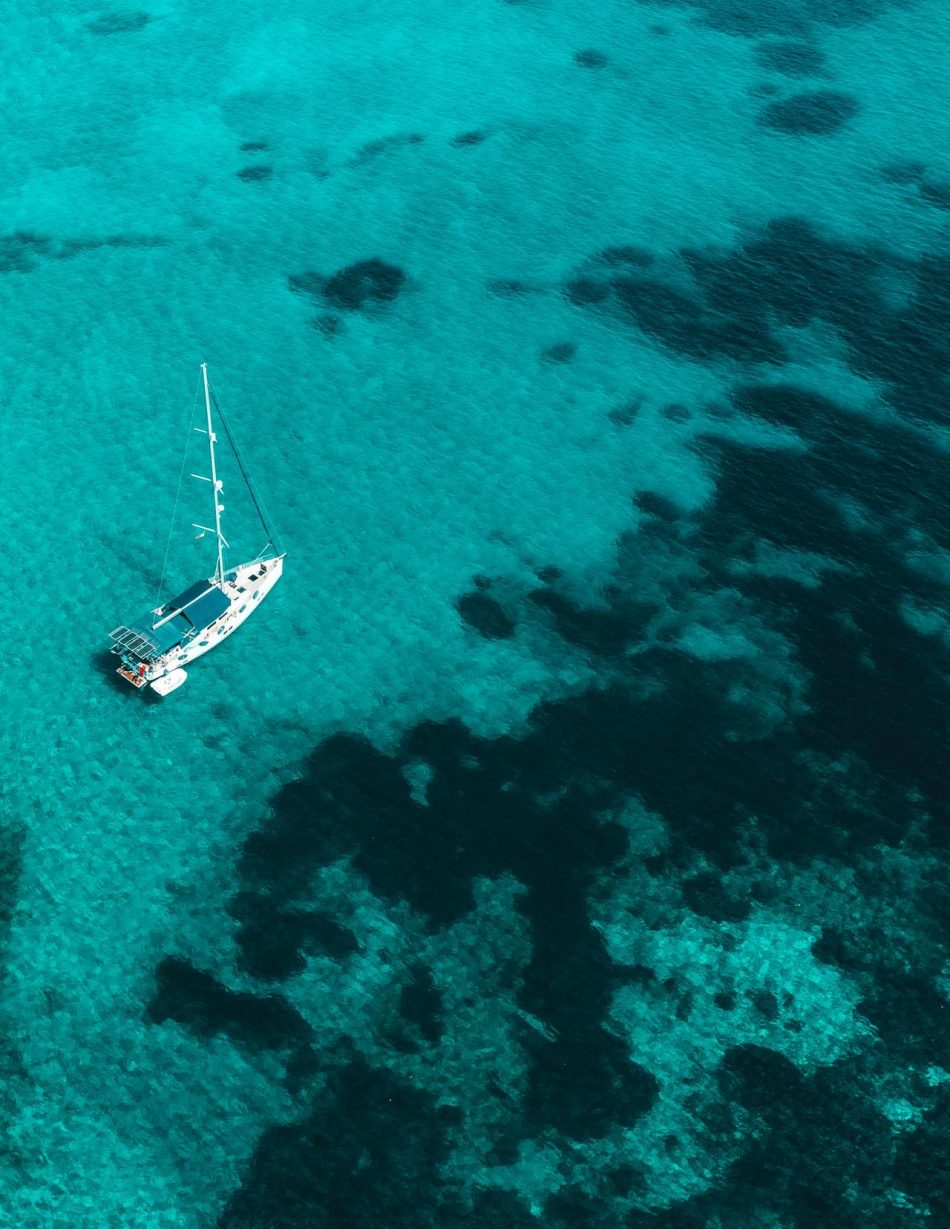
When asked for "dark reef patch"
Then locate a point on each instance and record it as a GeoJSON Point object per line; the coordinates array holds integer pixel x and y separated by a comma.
{"type": "Point", "coordinates": [834, 946]}
{"type": "Point", "coordinates": [384, 145]}
{"type": "Point", "coordinates": [367, 1156]}
{"type": "Point", "coordinates": [489, 809]}
{"type": "Point", "coordinates": [685, 324]}
{"type": "Point", "coordinates": [920, 1167]}
{"type": "Point", "coordinates": [624, 415]}
{"type": "Point", "coordinates": [359, 286]}
{"type": "Point", "coordinates": [484, 813]}
{"type": "Point", "coordinates": [818, 113]}
{"type": "Point", "coordinates": [12, 840]}
{"type": "Point", "coordinates": [658, 506]}
{"type": "Point", "coordinates": [586, 291]}
{"type": "Point", "coordinates": [936, 192]}
{"type": "Point", "coordinates": [207, 1008]}
{"type": "Point", "coordinates": [367, 281]}
{"type": "Point", "coordinates": [560, 352]}
{"type": "Point", "coordinates": [909, 1013]}
{"type": "Point", "coordinates": [126, 22]}
{"type": "Point", "coordinates": [255, 174]}
{"type": "Point", "coordinates": [822, 1149]}
{"type": "Point", "coordinates": [867, 709]}
{"type": "Point", "coordinates": [274, 943]}
{"type": "Point", "coordinates": [793, 270]}
{"type": "Point", "coordinates": [420, 1003]}
{"type": "Point", "coordinates": [254, 147]}
{"type": "Point", "coordinates": [903, 171]}
{"type": "Point", "coordinates": [15, 1080]}
{"type": "Point", "coordinates": [589, 58]}
{"type": "Point", "coordinates": [785, 19]}
{"type": "Point", "coordinates": [607, 631]}
{"type": "Point", "coordinates": [794, 59]}
{"type": "Point", "coordinates": [706, 895]}
{"type": "Point", "coordinates": [486, 616]}
{"type": "Point", "coordinates": [328, 325]}
{"type": "Point", "coordinates": [364, 283]}
{"type": "Point", "coordinates": [786, 405]}
{"type": "Point", "coordinates": [475, 137]}
{"type": "Point", "coordinates": [790, 273]}
{"type": "Point", "coordinates": [584, 1084]}
{"type": "Point", "coordinates": [665, 313]}
{"type": "Point", "coordinates": [766, 1004]}
{"type": "Point", "coordinates": [22, 251]}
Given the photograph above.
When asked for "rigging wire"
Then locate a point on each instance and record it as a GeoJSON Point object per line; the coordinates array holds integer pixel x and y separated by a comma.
{"type": "Point", "coordinates": [181, 479]}
{"type": "Point", "coordinates": [256, 499]}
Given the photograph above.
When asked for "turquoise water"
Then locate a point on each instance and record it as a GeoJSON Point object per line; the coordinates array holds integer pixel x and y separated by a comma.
{"type": "Point", "coordinates": [564, 841]}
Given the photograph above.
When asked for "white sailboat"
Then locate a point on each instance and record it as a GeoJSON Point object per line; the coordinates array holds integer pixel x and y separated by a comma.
{"type": "Point", "coordinates": [155, 648]}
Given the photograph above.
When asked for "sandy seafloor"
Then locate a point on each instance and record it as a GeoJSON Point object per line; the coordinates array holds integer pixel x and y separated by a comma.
{"type": "Point", "coordinates": [565, 842]}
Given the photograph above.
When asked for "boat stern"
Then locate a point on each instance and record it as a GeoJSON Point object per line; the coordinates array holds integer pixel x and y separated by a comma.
{"type": "Point", "coordinates": [138, 680]}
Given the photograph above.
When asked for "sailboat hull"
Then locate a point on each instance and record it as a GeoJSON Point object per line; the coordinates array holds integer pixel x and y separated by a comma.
{"type": "Point", "coordinates": [245, 588]}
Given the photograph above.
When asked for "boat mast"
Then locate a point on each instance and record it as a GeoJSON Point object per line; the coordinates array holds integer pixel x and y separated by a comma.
{"type": "Point", "coordinates": [215, 484]}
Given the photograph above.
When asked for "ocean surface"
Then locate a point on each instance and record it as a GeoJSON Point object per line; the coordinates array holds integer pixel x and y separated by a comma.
{"type": "Point", "coordinates": [565, 842]}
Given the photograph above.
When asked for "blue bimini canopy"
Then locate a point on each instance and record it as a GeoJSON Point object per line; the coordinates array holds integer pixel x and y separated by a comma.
{"type": "Point", "coordinates": [201, 603]}
{"type": "Point", "coordinates": [180, 619]}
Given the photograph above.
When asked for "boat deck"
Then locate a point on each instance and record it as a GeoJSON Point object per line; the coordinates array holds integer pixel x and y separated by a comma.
{"type": "Point", "coordinates": [137, 680]}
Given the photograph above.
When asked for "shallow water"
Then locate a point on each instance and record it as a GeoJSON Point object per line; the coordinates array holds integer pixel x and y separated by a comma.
{"type": "Point", "coordinates": [565, 840]}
